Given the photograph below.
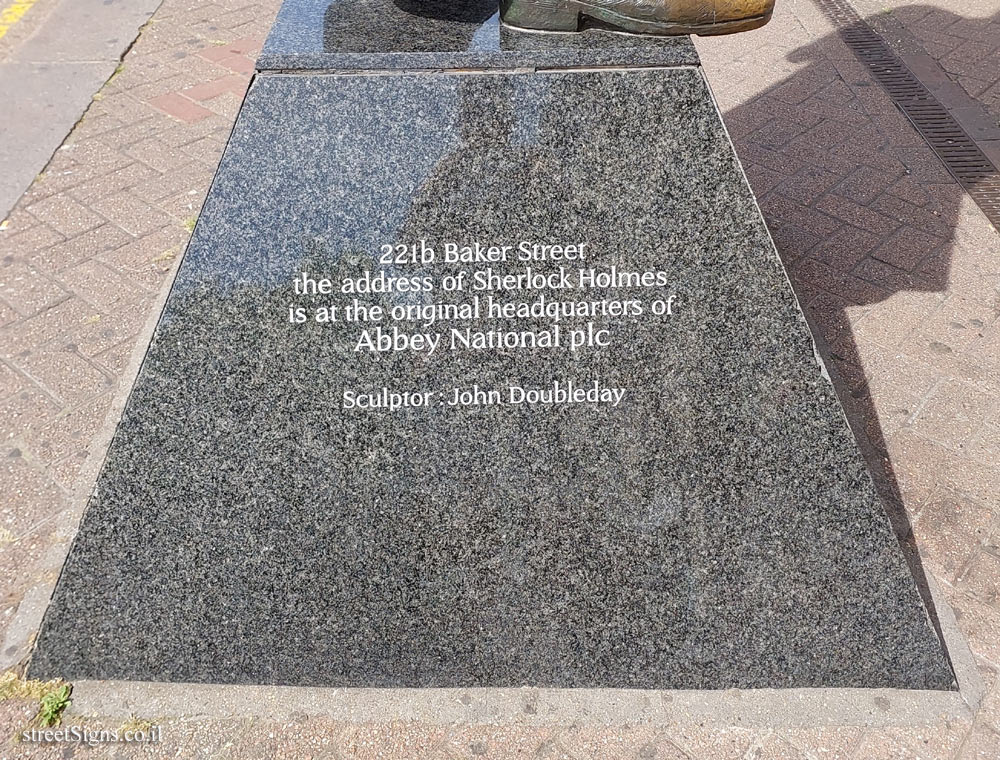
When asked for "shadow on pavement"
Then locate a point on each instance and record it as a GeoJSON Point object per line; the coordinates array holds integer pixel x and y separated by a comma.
{"type": "Point", "coordinates": [861, 210]}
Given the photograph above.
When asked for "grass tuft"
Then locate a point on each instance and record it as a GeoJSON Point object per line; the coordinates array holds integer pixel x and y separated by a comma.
{"type": "Point", "coordinates": [52, 705]}
{"type": "Point", "coordinates": [136, 724]}
{"type": "Point", "coordinates": [52, 696]}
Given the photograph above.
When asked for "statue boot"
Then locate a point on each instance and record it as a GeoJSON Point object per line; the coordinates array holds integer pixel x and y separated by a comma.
{"type": "Point", "coordinates": [657, 17]}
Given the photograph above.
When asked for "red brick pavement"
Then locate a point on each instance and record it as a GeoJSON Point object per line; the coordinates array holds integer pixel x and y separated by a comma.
{"type": "Point", "coordinates": [83, 258]}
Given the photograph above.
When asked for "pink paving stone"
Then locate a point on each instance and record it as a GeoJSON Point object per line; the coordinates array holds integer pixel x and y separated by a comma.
{"type": "Point", "coordinates": [27, 289]}
{"type": "Point", "coordinates": [499, 742]}
{"type": "Point", "coordinates": [893, 320]}
{"type": "Point", "coordinates": [978, 373]}
{"type": "Point", "coordinates": [28, 334]}
{"type": "Point", "coordinates": [877, 746]}
{"type": "Point", "coordinates": [983, 744]}
{"type": "Point", "coordinates": [765, 180]}
{"type": "Point", "coordinates": [990, 708]}
{"type": "Point", "coordinates": [215, 53]}
{"type": "Point", "coordinates": [784, 209]}
{"type": "Point", "coordinates": [227, 104]}
{"type": "Point", "coordinates": [113, 182]}
{"type": "Point", "coordinates": [176, 105]}
{"type": "Point", "coordinates": [143, 251]}
{"type": "Point", "coordinates": [775, 134]}
{"type": "Point", "coordinates": [887, 276]}
{"type": "Point", "coordinates": [981, 578]}
{"type": "Point", "coordinates": [856, 215]}
{"type": "Point", "coordinates": [207, 149]}
{"type": "Point", "coordinates": [246, 44]}
{"type": "Point", "coordinates": [593, 742]}
{"type": "Point", "coordinates": [69, 377]}
{"type": "Point", "coordinates": [10, 381]}
{"type": "Point", "coordinates": [238, 63]}
{"type": "Point", "coordinates": [73, 251]}
{"type": "Point", "coordinates": [909, 190]}
{"type": "Point", "coordinates": [65, 215]}
{"type": "Point", "coordinates": [828, 743]}
{"type": "Point", "coordinates": [234, 83]}
{"type": "Point", "coordinates": [828, 312]}
{"type": "Point", "coordinates": [116, 358]}
{"type": "Point", "coordinates": [101, 286]}
{"type": "Point", "coordinates": [66, 471]}
{"type": "Point", "coordinates": [393, 741]}
{"type": "Point", "coordinates": [773, 747]}
{"type": "Point", "coordinates": [711, 742]}
{"type": "Point", "coordinates": [228, 57]}
{"type": "Point", "coordinates": [27, 242]}
{"type": "Point", "coordinates": [297, 738]}
{"type": "Point", "coordinates": [851, 289]}
{"type": "Point", "coordinates": [27, 496]}
{"type": "Point", "coordinates": [865, 184]}
{"type": "Point", "coordinates": [902, 380]}
{"type": "Point", "coordinates": [752, 154]}
{"type": "Point", "coordinates": [131, 214]}
{"type": "Point", "coordinates": [962, 324]}
{"type": "Point", "coordinates": [793, 242]}
{"type": "Point", "coordinates": [985, 445]}
{"type": "Point", "coordinates": [936, 741]}
{"type": "Point", "coordinates": [845, 248]}
{"type": "Point", "coordinates": [156, 155]}
{"type": "Point", "coordinates": [808, 184]}
{"type": "Point", "coordinates": [938, 218]}
{"type": "Point", "coordinates": [949, 531]}
{"type": "Point", "coordinates": [952, 413]}
{"type": "Point", "coordinates": [111, 329]}
{"type": "Point", "coordinates": [7, 313]}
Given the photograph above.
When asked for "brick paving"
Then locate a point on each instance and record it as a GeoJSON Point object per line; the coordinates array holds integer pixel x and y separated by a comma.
{"type": "Point", "coordinates": [964, 41]}
{"type": "Point", "coordinates": [897, 270]}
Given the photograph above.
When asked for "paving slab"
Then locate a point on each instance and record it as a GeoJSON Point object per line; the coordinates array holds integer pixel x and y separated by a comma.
{"type": "Point", "coordinates": [49, 78]}
{"type": "Point", "coordinates": [615, 464]}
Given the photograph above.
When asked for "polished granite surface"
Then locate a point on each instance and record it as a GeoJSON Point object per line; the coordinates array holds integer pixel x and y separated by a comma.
{"type": "Point", "coordinates": [715, 528]}
{"type": "Point", "coordinates": [443, 34]}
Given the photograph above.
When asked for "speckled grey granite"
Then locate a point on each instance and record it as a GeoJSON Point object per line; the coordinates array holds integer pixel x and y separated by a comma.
{"type": "Point", "coordinates": [385, 35]}
{"type": "Point", "coordinates": [716, 529]}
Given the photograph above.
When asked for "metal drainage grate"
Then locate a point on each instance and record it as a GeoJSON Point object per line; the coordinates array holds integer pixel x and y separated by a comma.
{"type": "Point", "coordinates": [959, 152]}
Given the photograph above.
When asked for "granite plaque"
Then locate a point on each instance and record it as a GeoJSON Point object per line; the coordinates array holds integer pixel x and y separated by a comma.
{"type": "Point", "coordinates": [485, 379]}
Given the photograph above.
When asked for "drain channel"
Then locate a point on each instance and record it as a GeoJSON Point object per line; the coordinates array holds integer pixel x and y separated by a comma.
{"type": "Point", "coordinates": [957, 151]}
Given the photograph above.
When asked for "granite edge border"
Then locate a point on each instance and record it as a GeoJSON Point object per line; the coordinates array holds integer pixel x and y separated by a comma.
{"type": "Point", "coordinates": [465, 71]}
{"type": "Point", "coordinates": [347, 62]}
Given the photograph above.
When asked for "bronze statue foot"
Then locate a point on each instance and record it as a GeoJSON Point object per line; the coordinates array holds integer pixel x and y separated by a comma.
{"type": "Point", "coordinates": [659, 17]}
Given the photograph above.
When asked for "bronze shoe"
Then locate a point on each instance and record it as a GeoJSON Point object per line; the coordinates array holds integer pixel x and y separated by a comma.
{"type": "Point", "coordinates": [661, 17]}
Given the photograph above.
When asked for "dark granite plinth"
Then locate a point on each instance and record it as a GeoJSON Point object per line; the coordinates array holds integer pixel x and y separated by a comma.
{"type": "Point", "coordinates": [340, 35]}
{"type": "Point", "coordinates": [715, 527]}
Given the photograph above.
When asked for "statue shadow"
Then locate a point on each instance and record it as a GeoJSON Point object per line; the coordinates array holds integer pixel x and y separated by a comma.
{"type": "Point", "coordinates": [862, 211]}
